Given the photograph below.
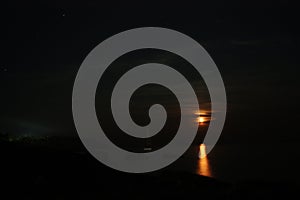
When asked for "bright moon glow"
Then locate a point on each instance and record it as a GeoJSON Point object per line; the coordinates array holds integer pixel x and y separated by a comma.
{"type": "Point", "coordinates": [202, 151]}
{"type": "Point", "coordinates": [201, 119]}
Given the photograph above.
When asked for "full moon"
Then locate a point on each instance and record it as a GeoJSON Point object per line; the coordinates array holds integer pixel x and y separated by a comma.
{"type": "Point", "coordinates": [201, 119]}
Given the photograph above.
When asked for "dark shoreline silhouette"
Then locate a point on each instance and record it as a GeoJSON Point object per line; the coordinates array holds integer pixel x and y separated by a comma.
{"type": "Point", "coordinates": [47, 170]}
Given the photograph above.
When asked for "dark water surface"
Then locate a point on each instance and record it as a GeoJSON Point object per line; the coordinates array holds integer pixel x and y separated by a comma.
{"type": "Point", "coordinates": [233, 163]}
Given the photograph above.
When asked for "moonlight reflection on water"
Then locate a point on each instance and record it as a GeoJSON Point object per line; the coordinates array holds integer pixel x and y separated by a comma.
{"type": "Point", "coordinates": [203, 167]}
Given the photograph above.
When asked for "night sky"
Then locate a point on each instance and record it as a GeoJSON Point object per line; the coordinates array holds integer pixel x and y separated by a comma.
{"type": "Point", "coordinates": [254, 45]}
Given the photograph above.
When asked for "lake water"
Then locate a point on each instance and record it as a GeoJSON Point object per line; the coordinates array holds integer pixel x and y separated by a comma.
{"type": "Point", "coordinates": [231, 163]}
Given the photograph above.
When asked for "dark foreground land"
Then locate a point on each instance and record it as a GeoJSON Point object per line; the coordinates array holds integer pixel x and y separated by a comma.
{"type": "Point", "coordinates": [58, 168]}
